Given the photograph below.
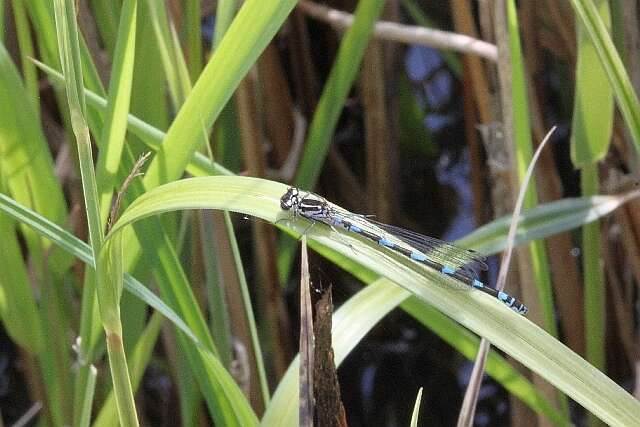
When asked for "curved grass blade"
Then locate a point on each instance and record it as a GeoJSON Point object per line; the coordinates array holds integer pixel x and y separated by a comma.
{"type": "Point", "coordinates": [82, 251]}
{"type": "Point", "coordinates": [508, 331]}
{"type": "Point", "coordinates": [241, 413]}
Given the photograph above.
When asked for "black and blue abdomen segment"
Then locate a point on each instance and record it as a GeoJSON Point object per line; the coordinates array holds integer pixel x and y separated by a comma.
{"type": "Point", "coordinates": [456, 273]}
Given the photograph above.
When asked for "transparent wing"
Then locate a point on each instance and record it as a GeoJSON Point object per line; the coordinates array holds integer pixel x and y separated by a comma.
{"type": "Point", "coordinates": [467, 260]}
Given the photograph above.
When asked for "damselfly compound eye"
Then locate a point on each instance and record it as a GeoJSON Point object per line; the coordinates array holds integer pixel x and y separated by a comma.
{"type": "Point", "coordinates": [288, 199]}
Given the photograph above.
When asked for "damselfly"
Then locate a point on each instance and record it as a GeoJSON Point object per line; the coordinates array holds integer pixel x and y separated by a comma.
{"type": "Point", "coordinates": [461, 264]}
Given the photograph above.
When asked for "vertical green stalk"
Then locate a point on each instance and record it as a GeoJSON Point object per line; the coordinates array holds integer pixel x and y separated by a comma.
{"type": "Point", "coordinates": [224, 15]}
{"type": "Point", "coordinates": [105, 13]}
{"type": "Point", "coordinates": [343, 74]}
{"type": "Point", "coordinates": [121, 383]}
{"type": "Point", "coordinates": [87, 402]}
{"type": "Point", "coordinates": [26, 51]}
{"type": "Point", "coordinates": [194, 38]}
{"type": "Point", "coordinates": [325, 119]}
{"type": "Point", "coordinates": [627, 99]}
{"type": "Point", "coordinates": [109, 272]}
{"type": "Point", "coordinates": [592, 127]}
{"type": "Point", "coordinates": [594, 282]}
{"type": "Point", "coordinates": [115, 122]}
{"type": "Point", "coordinates": [523, 152]}
{"type": "Point", "coordinates": [226, 134]}
{"type": "Point", "coordinates": [169, 48]}
{"type": "Point", "coordinates": [67, 34]}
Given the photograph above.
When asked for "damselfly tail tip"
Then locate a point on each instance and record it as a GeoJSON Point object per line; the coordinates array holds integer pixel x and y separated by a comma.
{"type": "Point", "coordinates": [521, 309]}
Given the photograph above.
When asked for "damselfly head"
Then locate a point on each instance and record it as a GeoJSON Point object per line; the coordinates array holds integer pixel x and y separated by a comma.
{"type": "Point", "coordinates": [289, 199]}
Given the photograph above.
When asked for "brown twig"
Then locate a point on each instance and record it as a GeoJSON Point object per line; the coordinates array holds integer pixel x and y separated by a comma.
{"type": "Point", "coordinates": [409, 34]}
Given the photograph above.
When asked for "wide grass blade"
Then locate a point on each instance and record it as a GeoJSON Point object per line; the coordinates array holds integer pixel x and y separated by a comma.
{"type": "Point", "coordinates": [448, 330]}
{"type": "Point", "coordinates": [546, 220]}
{"type": "Point", "coordinates": [480, 313]}
{"type": "Point", "coordinates": [626, 97]}
{"type": "Point", "coordinates": [26, 51]}
{"type": "Point", "coordinates": [593, 102]}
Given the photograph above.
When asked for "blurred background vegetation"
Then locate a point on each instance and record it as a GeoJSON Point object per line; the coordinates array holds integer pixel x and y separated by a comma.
{"type": "Point", "coordinates": [422, 113]}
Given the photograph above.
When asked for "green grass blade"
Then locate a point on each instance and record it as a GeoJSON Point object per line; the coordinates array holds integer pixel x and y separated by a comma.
{"type": "Point", "coordinates": [18, 308]}
{"type": "Point", "coordinates": [254, 26]}
{"type": "Point", "coordinates": [595, 291]}
{"type": "Point", "coordinates": [478, 312]}
{"type": "Point", "coordinates": [82, 251]}
{"type": "Point", "coordinates": [173, 62]}
{"type": "Point", "coordinates": [139, 361]}
{"type": "Point", "coordinates": [216, 383]}
{"type": "Point", "coordinates": [545, 220]}
{"type": "Point", "coordinates": [105, 13]}
{"type": "Point", "coordinates": [626, 97]}
{"type": "Point", "coordinates": [334, 95]}
{"type": "Point", "coordinates": [115, 121]}
{"type": "Point", "coordinates": [455, 335]}
{"type": "Point", "coordinates": [67, 33]}
{"type": "Point", "coordinates": [85, 418]}
{"type": "Point", "coordinates": [593, 102]}
{"type": "Point", "coordinates": [193, 16]}
{"type": "Point", "coordinates": [519, 103]}
{"type": "Point", "coordinates": [592, 128]}
{"type": "Point", "coordinates": [121, 383]}
{"type": "Point", "coordinates": [25, 161]}
{"type": "Point", "coordinates": [147, 102]}
{"type": "Point", "coordinates": [109, 267]}
{"type": "Point", "coordinates": [224, 16]}
{"type": "Point", "coordinates": [325, 119]}
{"type": "Point", "coordinates": [26, 51]}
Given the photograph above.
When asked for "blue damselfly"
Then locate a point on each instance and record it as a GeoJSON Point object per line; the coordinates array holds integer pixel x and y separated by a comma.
{"type": "Point", "coordinates": [463, 265]}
